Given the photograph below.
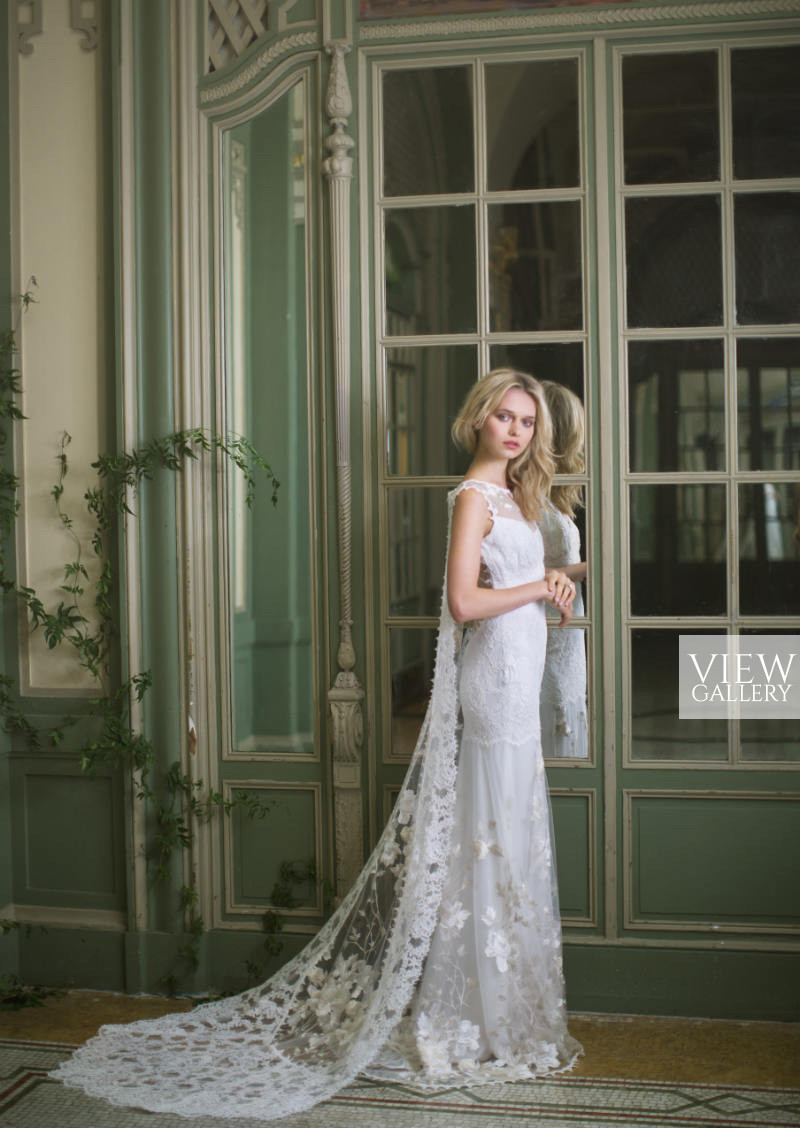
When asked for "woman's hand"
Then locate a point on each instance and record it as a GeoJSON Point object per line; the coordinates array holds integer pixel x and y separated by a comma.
{"type": "Point", "coordinates": [561, 593]}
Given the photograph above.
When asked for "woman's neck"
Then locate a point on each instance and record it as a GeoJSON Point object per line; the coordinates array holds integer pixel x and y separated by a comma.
{"type": "Point", "coordinates": [489, 471]}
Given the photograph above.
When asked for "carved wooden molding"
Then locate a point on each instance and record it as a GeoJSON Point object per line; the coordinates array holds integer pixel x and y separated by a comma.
{"type": "Point", "coordinates": [580, 17]}
{"type": "Point", "coordinates": [346, 695]}
{"type": "Point", "coordinates": [29, 23]}
{"type": "Point", "coordinates": [261, 62]}
{"type": "Point", "coordinates": [87, 24]}
{"type": "Point", "coordinates": [232, 26]}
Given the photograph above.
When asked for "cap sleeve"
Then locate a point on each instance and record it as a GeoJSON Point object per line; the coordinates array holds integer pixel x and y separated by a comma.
{"type": "Point", "coordinates": [483, 488]}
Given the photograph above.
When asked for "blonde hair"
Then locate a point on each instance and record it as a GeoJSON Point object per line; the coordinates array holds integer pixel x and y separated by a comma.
{"type": "Point", "coordinates": [566, 413]}
{"type": "Point", "coordinates": [530, 474]}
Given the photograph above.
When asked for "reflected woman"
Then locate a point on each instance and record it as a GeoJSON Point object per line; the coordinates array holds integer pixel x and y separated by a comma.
{"type": "Point", "coordinates": [563, 699]}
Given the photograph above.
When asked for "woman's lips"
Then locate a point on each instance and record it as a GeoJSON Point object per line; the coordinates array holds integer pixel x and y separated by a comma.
{"type": "Point", "coordinates": [514, 446]}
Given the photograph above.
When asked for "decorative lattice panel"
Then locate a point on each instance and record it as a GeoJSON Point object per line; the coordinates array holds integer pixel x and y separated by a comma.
{"type": "Point", "coordinates": [232, 26]}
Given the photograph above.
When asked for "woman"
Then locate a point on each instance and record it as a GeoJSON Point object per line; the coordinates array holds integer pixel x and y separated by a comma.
{"type": "Point", "coordinates": [563, 699]}
{"type": "Point", "coordinates": [442, 966]}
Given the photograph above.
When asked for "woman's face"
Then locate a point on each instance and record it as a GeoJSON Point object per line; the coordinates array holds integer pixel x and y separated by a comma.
{"type": "Point", "coordinates": [508, 429]}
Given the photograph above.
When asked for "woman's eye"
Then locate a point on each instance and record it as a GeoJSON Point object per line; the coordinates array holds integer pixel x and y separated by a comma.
{"type": "Point", "coordinates": [529, 422]}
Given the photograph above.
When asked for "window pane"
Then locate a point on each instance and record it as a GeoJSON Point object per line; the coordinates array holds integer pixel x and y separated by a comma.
{"type": "Point", "coordinates": [766, 110]}
{"type": "Point", "coordinates": [678, 550]}
{"type": "Point", "coordinates": [532, 125]}
{"type": "Point", "coordinates": [767, 240]}
{"type": "Point", "coordinates": [427, 131]}
{"type": "Point", "coordinates": [417, 545]}
{"type": "Point", "coordinates": [670, 117]}
{"type": "Point", "coordinates": [412, 651]}
{"type": "Point", "coordinates": [425, 388]}
{"type": "Point", "coordinates": [773, 740]}
{"type": "Point", "coordinates": [769, 403]}
{"type": "Point", "coordinates": [769, 548]}
{"type": "Point", "coordinates": [535, 266]}
{"type": "Point", "coordinates": [676, 405]}
{"type": "Point", "coordinates": [674, 259]}
{"type": "Point", "coordinates": [563, 364]}
{"type": "Point", "coordinates": [770, 740]}
{"type": "Point", "coordinates": [430, 270]}
{"type": "Point", "coordinates": [656, 731]}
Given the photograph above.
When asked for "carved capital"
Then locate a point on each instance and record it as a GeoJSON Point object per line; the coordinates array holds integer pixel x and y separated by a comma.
{"type": "Point", "coordinates": [87, 24]}
{"type": "Point", "coordinates": [338, 107]}
{"type": "Point", "coordinates": [338, 103]}
{"type": "Point", "coordinates": [29, 23]}
{"type": "Point", "coordinates": [347, 722]}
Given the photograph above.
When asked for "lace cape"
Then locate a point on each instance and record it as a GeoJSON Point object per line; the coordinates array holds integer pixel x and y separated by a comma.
{"type": "Point", "coordinates": [309, 1030]}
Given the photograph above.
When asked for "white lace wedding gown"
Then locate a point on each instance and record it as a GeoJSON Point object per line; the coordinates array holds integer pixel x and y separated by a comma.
{"type": "Point", "coordinates": [442, 966]}
{"type": "Point", "coordinates": [565, 733]}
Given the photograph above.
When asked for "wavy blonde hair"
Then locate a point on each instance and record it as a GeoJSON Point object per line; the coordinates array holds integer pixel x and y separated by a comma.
{"type": "Point", "coordinates": [530, 474]}
{"type": "Point", "coordinates": [567, 416]}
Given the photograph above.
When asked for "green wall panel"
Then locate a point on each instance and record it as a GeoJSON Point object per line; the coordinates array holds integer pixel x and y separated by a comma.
{"type": "Point", "coordinates": [726, 858]}
{"type": "Point", "coordinates": [67, 849]}
{"type": "Point", "coordinates": [69, 834]}
{"type": "Point", "coordinates": [683, 981]}
{"type": "Point", "coordinates": [572, 824]}
{"type": "Point", "coordinates": [288, 833]}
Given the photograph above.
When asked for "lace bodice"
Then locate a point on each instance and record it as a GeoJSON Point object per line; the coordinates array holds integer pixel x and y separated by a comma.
{"type": "Point", "coordinates": [512, 551]}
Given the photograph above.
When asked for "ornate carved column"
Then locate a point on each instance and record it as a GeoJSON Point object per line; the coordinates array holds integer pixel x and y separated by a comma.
{"type": "Point", "coordinates": [346, 695]}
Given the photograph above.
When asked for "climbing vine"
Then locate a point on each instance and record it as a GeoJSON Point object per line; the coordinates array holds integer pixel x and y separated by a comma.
{"type": "Point", "coordinates": [175, 798]}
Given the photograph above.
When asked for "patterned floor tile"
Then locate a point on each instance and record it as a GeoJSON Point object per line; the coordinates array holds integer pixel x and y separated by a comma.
{"type": "Point", "coordinates": [29, 1099]}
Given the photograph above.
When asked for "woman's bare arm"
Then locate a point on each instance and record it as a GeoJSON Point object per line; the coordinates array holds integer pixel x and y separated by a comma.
{"type": "Point", "coordinates": [466, 600]}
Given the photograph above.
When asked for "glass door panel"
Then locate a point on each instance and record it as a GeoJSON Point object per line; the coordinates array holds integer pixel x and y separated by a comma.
{"type": "Point", "coordinates": [482, 252]}
{"type": "Point", "coordinates": [701, 549]}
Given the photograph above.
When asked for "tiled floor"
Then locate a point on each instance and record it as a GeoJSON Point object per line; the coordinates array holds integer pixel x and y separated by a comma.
{"type": "Point", "coordinates": [667, 1049]}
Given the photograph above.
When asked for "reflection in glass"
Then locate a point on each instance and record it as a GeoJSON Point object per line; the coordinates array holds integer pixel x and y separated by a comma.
{"type": "Point", "coordinates": [430, 270]}
{"type": "Point", "coordinates": [425, 388]}
{"type": "Point", "coordinates": [670, 117]}
{"type": "Point", "coordinates": [532, 125]}
{"type": "Point", "coordinates": [678, 550]}
{"type": "Point", "coordinates": [674, 259]}
{"type": "Point", "coordinates": [427, 131]}
{"type": "Point", "coordinates": [657, 733]}
{"type": "Point", "coordinates": [769, 548]}
{"type": "Point", "coordinates": [769, 403]}
{"type": "Point", "coordinates": [535, 279]}
{"type": "Point", "coordinates": [766, 229]}
{"type": "Point", "coordinates": [775, 740]}
{"type": "Point", "coordinates": [412, 651]}
{"type": "Point", "coordinates": [267, 399]}
{"type": "Point", "coordinates": [676, 405]}
{"type": "Point", "coordinates": [561, 363]}
{"type": "Point", "coordinates": [417, 545]}
{"type": "Point", "coordinates": [563, 704]}
{"type": "Point", "coordinates": [766, 106]}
